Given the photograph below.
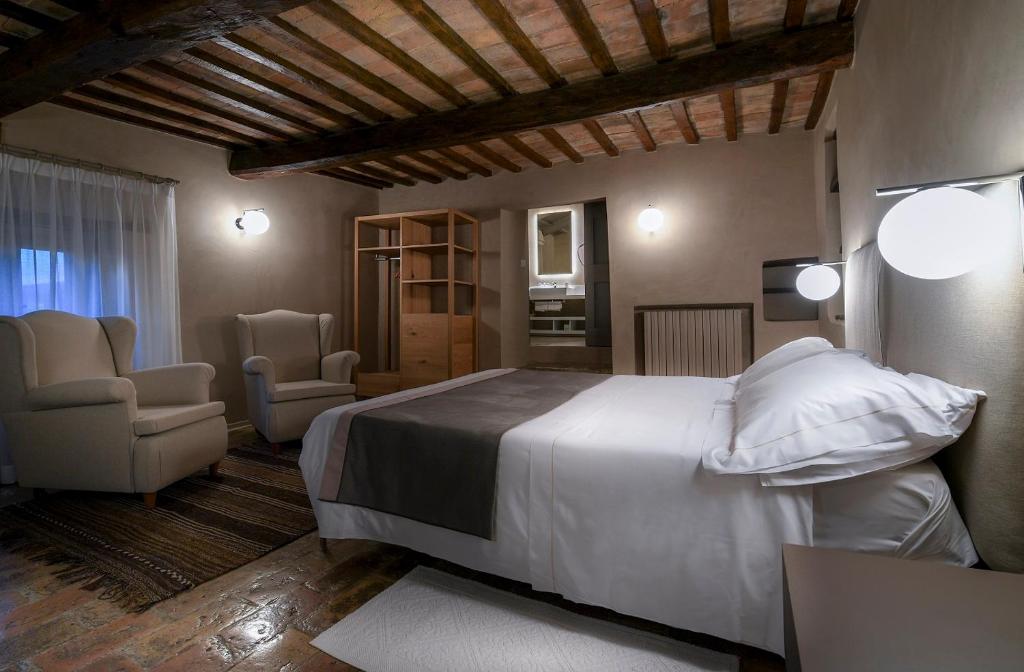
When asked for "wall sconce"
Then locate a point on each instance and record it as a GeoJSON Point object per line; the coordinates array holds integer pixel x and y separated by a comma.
{"type": "Point", "coordinates": [253, 222]}
{"type": "Point", "coordinates": [940, 230]}
{"type": "Point", "coordinates": [938, 233]}
{"type": "Point", "coordinates": [818, 282]}
{"type": "Point", "coordinates": [651, 219]}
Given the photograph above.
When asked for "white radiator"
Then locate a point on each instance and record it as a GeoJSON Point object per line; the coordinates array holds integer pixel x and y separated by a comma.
{"type": "Point", "coordinates": [714, 341]}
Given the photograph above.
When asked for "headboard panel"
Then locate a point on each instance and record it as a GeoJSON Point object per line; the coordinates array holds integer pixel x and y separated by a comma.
{"type": "Point", "coordinates": [970, 331]}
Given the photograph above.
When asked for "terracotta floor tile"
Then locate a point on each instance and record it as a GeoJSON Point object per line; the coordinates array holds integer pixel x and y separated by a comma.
{"type": "Point", "coordinates": [110, 664]}
{"type": "Point", "coordinates": [321, 662]}
{"type": "Point", "coordinates": [209, 655]}
{"type": "Point", "coordinates": [171, 640]}
{"type": "Point", "coordinates": [244, 635]}
{"type": "Point", "coordinates": [95, 643]}
{"type": "Point", "coordinates": [281, 653]}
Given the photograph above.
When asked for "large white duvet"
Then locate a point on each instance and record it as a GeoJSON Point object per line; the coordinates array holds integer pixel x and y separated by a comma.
{"type": "Point", "coordinates": [604, 501]}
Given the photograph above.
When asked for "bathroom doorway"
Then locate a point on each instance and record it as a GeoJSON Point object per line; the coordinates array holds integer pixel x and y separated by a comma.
{"type": "Point", "coordinates": [569, 297]}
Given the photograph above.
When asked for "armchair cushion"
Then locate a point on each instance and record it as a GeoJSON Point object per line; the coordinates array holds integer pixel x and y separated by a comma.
{"type": "Point", "coordinates": [83, 392]}
{"type": "Point", "coordinates": [337, 367]}
{"type": "Point", "coordinates": [156, 419]}
{"type": "Point", "coordinates": [173, 385]}
{"type": "Point", "coordinates": [309, 389]}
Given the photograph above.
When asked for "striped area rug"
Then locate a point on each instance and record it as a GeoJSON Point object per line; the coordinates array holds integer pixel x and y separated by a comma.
{"type": "Point", "coordinates": [200, 528]}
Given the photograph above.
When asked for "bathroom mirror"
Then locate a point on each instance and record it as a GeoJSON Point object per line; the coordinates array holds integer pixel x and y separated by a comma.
{"type": "Point", "coordinates": [554, 243]}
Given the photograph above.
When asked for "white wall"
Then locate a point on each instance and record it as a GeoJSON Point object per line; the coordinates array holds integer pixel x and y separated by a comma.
{"type": "Point", "coordinates": [937, 93]}
{"type": "Point", "coordinates": [728, 207]}
{"type": "Point", "coordinates": [303, 263]}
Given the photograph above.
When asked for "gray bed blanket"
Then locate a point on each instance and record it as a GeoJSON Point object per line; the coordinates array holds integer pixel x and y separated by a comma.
{"type": "Point", "coordinates": [434, 458]}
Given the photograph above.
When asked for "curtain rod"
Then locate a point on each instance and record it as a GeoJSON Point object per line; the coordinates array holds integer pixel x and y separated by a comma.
{"type": "Point", "coordinates": [77, 163]}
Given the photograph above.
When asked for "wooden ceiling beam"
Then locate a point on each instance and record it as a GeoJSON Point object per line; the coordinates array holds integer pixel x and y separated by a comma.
{"type": "Point", "coordinates": [242, 76]}
{"type": "Point", "coordinates": [728, 101]}
{"type": "Point", "coordinates": [295, 38]}
{"type": "Point", "coordinates": [820, 98]}
{"type": "Point", "coordinates": [410, 170]}
{"type": "Point", "coordinates": [385, 175]}
{"type": "Point", "coordinates": [228, 96]}
{"type": "Point", "coordinates": [595, 130]}
{"type": "Point", "coordinates": [684, 122]}
{"type": "Point", "coordinates": [438, 165]}
{"type": "Point", "coordinates": [650, 24]}
{"type": "Point", "coordinates": [778, 106]}
{"type": "Point", "coordinates": [561, 144]}
{"type": "Point", "coordinates": [77, 5]}
{"type": "Point", "coordinates": [718, 16]}
{"type": "Point", "coordinates": [10, 41]}
{"type": "Point", "coordinates": [795, 12]}
{"type": "Point", "coordinates": [443, 33]}
{"type": "Point", "coordinates": [754, 62]}
{"type": "Point", "coordinates": [142, 87]}
{"type": "Point", "coordinates": [117, 115]}
{"type": "Point", "coordinates": [464, 161]}
{"type": "Point", "coordinates": [526, 151]}
{"type": "Point", "coordinates": [135, 105]}
{"type": "Point", "coordinates": [343, 19]}
{"type": "Point", "coordinates": [583, 25]}
{"type": "Point", "coordinates": [269, 58]}
{"type": "Point", "coordinates": [28, 16]}
{"type": "Point", "coordinates": [642, 132]}
{"type": "Point", "coordinates": [117, 35]}
{"type": "Point", "coordinates": [503, 22]}
{"type": "Point", "coordinates": [488, 154]}
{"type": "Point", "coordinates": [354, 178]}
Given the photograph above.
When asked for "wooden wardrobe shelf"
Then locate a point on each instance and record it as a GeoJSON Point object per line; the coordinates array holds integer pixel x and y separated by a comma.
{"type": "Point", "coordinates": [437, 248]}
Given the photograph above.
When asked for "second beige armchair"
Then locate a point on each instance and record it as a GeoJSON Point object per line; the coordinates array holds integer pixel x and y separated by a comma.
{"type": "Point", "coordinates": [291, 376]}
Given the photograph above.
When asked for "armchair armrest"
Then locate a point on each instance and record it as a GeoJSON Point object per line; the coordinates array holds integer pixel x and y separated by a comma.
{"type": "Point", "coordinates": [84, 392]}
{"type": "Point", "coordinates": [258, 365]}
{"type": "Point", "coordinates": [173, 385]}
{"type": "Point", "coordinates": [337, 367]}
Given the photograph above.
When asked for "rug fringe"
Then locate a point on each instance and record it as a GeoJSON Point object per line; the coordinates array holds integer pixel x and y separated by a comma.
{"type": "Point", "coordinates": [76, 571]}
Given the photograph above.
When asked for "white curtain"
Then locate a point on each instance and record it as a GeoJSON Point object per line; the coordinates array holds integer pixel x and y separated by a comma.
{"type": "Point", "coordinates": [91, 243]}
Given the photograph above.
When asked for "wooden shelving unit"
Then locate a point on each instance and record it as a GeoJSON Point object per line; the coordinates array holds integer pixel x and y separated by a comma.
{"type": "Point", "coordinates": [417, 303]}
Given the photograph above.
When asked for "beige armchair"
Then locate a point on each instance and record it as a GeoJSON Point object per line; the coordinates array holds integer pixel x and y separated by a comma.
{"type": "Point", "coordinates": [290, 377]}
{"type": "Point", "coordinates": [78, 418]}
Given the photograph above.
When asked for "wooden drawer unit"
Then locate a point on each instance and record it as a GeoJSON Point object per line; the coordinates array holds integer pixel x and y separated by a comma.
{"type": "Point", "coordinates": [424, 349]}
{"type": "Point", "coordinates": [376, 384]}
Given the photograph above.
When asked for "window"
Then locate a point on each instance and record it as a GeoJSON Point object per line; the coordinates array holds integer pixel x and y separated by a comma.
{"type": "Point", "coordinates": [43, 279]}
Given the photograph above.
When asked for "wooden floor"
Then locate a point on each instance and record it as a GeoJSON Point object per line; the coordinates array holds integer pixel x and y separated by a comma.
{"type": "Point", "coordinates": [258, 617]}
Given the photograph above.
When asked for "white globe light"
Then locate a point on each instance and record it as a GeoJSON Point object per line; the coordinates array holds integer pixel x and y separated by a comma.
{"type": "Point", "coordinates": [818, 283]}
{"type": "Point", "coordinates": [938, 233]}
{"type": "Point", "coordinates": [254, 222]}
{"type": "Point", "coordinates": [651, 220]}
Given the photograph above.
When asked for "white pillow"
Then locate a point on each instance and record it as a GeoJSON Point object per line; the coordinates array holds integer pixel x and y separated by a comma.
{"type": "Point", "coordinates": [781, 357]}
{"type": "Point", "coordinates": [906, 513]}
{"type": "Point", "coordinates": [836, 415]}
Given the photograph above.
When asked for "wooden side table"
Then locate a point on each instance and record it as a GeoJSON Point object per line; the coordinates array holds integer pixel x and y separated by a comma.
{"type": "Point", "coordinates": [858, 612]}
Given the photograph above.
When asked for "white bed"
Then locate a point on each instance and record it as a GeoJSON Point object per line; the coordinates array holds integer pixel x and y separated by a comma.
{"type": "Point", "coordinates": [604, 501]}
{"type": "Point", "coordinates": [607, 500]}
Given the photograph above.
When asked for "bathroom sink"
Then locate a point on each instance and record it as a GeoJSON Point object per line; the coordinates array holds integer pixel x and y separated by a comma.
{"type": "Point", "coordinates": [546, 292]}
